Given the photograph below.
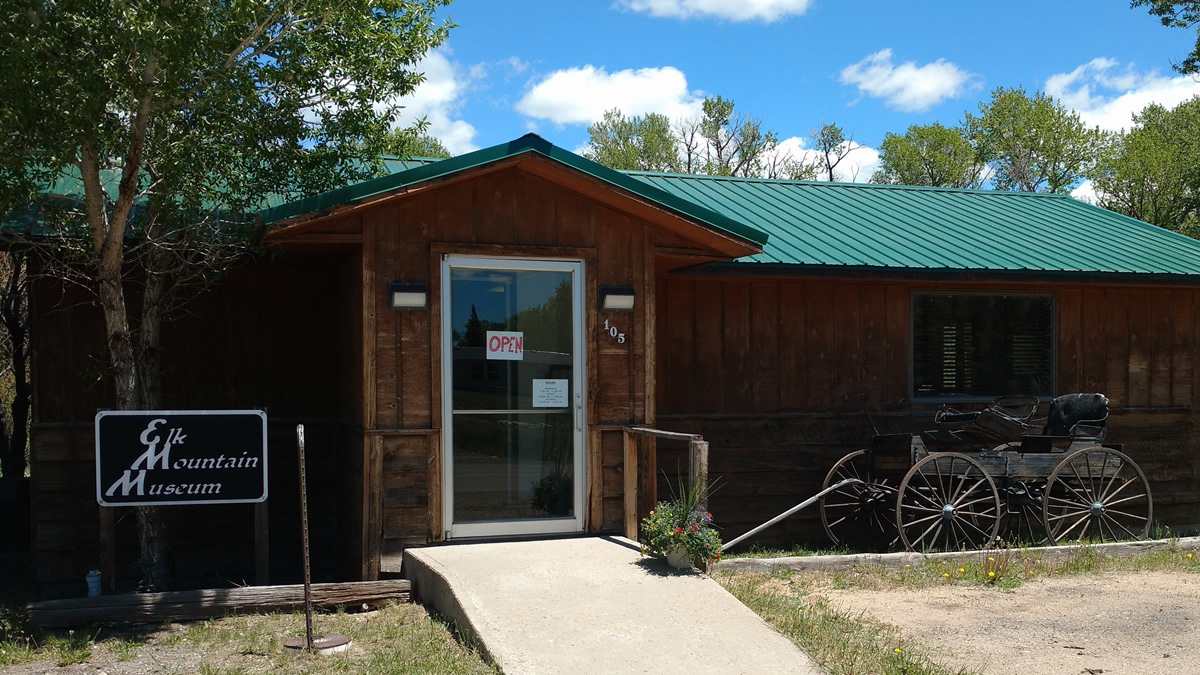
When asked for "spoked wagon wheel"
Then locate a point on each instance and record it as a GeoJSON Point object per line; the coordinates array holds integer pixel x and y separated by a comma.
{"type": "Point", "coordinates": [1097, 493]}
{"type": "Point", "coordinates": [947, 501]}
{"type": "Point", "coordinates": [860, 514]}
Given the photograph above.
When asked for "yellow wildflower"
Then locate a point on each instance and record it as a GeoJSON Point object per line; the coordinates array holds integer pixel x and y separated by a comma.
{"type": "Point", "coordinates": [897, 650]}
{"type": "Point", "coordinates": [991, 560]}
{"type": "Point", "coordinates": [991, 574]}
{"type": "Point", "coordinates": [962, 570]}
{"type": "Point", "coordinates": [947, 575]}
{"type": "Point", "coordinates": [1189, 556]}
{"type": "Point", "coordinates": [907, 566]}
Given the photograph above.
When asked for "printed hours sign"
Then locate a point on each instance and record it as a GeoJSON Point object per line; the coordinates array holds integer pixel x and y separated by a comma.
{"type": "Point", "coordinates": [174, 457]}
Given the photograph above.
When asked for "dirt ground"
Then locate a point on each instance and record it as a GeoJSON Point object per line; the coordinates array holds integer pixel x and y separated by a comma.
{"type": "Point", "coordinates": [1116, 624]}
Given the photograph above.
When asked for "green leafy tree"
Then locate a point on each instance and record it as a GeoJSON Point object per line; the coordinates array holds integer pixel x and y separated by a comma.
{"type": "Point", "coordinates": [1032, 144]}
{"type": "Point", "coordinates": [931, 155]}
{"type": "Point", "coordinates": [416, 142]}
{"type": "Point", "coordinates": [832, 147]}
{"type": "Point", "coordinates": [638, 143]}
{"type": "Point", "coordinates": [174, 115]}
{"type": "Point", "coordinates": [428, 146]}
{"type": "Point", "coordinates": [1152, 171]}
{"type": "Point", "coordinates": [724, 142]}
{"type": "Point", "coordinates": [719, 142]}
{"type": "Point", "coordinates": [1185, 14]}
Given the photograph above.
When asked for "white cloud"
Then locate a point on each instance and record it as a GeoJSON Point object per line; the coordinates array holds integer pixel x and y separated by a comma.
{"type": "Point", "coordinates": [582, 95]}
{"type": "Point", "coordinates": [1086, 192]}
{"type": "Point", "coordinates": [856, 167]}
{"type": "Point", "coordinates": [731, 10]}
{"type": "Point", "coordinates": [907, 87]}
{"type": "Point", "coordinates": [1107, 96]}
{"type": "Point", "coordinates": [438, 100]}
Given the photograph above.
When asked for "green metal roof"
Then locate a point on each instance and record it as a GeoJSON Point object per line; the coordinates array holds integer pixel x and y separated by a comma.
{"type": "Point", "coordinates": [853, 226]}
{"type": "Point", "coordinates": [68, 186]}
{"type": "Point", "coordinates": [531, 144]}
{"type": "Point", "coordinates": [882, 226]}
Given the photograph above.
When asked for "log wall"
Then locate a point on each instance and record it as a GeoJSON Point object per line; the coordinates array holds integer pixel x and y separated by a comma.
{"type": "Point", "coordinates": [776, 374]}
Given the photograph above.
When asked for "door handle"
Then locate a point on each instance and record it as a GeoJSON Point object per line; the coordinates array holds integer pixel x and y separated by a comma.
{"type": "Point", "coordinates": [578, 411]}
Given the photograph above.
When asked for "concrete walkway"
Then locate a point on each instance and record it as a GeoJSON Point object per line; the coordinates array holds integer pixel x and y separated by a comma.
{"type": "Point", "coordinates": [594, 605]}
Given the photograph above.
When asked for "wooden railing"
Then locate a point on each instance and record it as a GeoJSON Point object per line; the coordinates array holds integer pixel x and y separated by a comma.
{"type": "Point", "coordinates": [697, 470]}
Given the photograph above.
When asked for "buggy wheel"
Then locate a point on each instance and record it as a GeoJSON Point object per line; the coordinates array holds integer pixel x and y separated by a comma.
{"type": "Point", "coordinates": [1098, 494]}
{"type": "Point", "coordinates": [860, 514]}
{"type": "Point", "coordinates": [947, 501]}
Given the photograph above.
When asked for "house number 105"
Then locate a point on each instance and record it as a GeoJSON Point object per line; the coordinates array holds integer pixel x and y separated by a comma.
{"type": "Point", "coordinates": [612, 331]}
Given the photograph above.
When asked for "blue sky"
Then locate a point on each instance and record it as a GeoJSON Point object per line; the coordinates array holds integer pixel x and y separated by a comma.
{"type": "Point", "coordinates": [871, 66]}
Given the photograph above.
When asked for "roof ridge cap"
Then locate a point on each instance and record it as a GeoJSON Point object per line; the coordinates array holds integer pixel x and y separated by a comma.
{"type": "Point", "coordinates": [842, 184]}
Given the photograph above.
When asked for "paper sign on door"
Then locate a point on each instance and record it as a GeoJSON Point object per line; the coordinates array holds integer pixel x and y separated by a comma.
{"type": "Point", "coordinates": [505, 345]}
{"type": "Point", "coordinates": [551, 393]}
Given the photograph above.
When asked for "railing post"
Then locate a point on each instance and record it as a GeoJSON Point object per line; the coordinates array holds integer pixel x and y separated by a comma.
{"type": "Point", "coordinates": [698, 470]}
{"type": "Point", "coordinates": [630, 473]}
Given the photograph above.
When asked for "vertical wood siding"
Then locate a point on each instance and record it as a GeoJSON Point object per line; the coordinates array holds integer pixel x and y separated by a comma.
{"type": "Point", "coordinates": [479, 216]}
{"type": "Point", "coordinates": [777, 373]}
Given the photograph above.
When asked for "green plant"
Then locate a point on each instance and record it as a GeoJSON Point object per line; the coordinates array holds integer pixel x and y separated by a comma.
{"type": "Point", "coordinates": [554, 494]}
{"type": "Point", "coordinates": [126, 650]}
{"type": "Point", "coordinates": [682, 522]}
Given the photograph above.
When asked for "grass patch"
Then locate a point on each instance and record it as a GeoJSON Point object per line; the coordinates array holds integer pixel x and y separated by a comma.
{"type": "Point", "coordinates": [125, 649]}
{"type": "Point", "coordinates": [1008, 568]}
{"type": "Point", "coordinates": [399, 638]}
{"type": "Point", "coordinates": [16, 643]}
{"type": "Point", "coordinates": [799, 550]}
{"type": "Point", "coordinates": [841, 642]}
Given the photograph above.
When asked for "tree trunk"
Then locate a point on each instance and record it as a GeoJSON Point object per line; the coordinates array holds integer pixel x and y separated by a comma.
{"type": "Point", "coordinates": [14, 314]}
{"type": "Point", "coordinates": [154, 559]}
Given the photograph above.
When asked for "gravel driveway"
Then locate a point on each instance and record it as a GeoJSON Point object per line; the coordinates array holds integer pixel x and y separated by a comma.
{"type": "Point", "coordinates": [1121, 623]}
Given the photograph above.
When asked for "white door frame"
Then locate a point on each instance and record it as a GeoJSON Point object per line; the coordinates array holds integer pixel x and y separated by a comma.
{"type": "Point", "coordinates": [579, 412]}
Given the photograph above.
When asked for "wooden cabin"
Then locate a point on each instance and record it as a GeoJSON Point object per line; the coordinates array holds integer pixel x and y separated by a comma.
{"type": "Point", "coordinates": [466, 343]}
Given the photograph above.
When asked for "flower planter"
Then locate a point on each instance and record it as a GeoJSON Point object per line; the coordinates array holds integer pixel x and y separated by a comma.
{"type": "Point", "coordinates": [680, 558]}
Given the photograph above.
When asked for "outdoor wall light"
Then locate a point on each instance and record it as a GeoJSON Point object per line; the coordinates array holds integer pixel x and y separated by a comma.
{"type": "Point", "coordinates": [408, 296]}
{"type": "Point", "coordinates": [616, 299]}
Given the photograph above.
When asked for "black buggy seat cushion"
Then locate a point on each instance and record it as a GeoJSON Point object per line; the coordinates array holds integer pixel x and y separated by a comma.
{"type": "Point", "coordinates": [1070, 409]}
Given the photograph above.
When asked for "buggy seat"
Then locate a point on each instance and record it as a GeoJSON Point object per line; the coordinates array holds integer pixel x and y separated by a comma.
{"type": "Point", "coordinates": [1078, 416]}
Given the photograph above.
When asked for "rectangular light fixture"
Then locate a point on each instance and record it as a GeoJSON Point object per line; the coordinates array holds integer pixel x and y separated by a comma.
{"type": "Point", "coordinates": [408, 296]}
{"type": "Point", "coordinates": [616, 299]}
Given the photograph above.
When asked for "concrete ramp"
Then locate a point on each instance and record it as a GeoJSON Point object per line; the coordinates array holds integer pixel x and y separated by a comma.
{"type": "Point", "coordinates": [594, 605]}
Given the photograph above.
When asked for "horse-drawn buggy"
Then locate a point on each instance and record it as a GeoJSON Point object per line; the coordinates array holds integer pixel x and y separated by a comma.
{"type": "Point", "coordinates": [994, 475]}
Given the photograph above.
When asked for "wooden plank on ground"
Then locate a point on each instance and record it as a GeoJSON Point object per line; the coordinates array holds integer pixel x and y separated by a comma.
{"type": "Point", "coordinates": [184, 605]}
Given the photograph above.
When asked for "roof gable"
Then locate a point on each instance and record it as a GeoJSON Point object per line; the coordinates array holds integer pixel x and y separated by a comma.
{"type": "Point", "coordinates": [530, 144]}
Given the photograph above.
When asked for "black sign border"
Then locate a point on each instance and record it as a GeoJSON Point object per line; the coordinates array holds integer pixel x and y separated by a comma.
{"type": "Point", "coordinates": [105, 413]}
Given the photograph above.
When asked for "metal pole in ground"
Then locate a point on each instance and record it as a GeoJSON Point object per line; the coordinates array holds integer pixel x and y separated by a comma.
{"type": "Point", "coordinates": [325, 644]}
{"type": "Point", "coordinates": [308, 619]}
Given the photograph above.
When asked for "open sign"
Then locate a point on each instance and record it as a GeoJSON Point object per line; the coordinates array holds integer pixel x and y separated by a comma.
{"type": "Point", "coordinates": [505, 345]}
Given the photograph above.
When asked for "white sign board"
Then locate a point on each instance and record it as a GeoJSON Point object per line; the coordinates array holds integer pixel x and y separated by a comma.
{"type": "Point", "coordinates": [505, 345]}
{"type": "Point", "coordinates": [551, 393]}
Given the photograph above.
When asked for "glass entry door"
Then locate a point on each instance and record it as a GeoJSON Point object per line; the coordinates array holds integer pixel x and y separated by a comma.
{"type": "Point", "coordinates": [512, 396]}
